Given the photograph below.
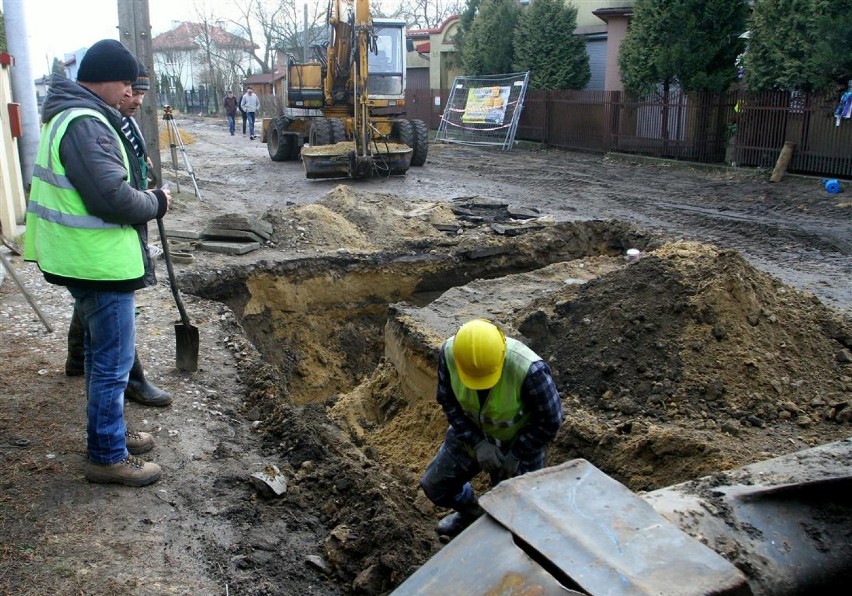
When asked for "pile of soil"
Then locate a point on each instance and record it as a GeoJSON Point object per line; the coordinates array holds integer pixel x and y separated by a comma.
{"type": "Point", "coordinates": [348, 220]}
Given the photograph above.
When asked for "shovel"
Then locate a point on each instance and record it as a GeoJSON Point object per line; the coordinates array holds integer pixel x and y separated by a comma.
{"type": "Point", "coordinates": [186, 336]}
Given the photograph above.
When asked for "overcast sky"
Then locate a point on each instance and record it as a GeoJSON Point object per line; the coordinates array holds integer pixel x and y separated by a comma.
{"type": "Point", "coordinates": [59, 27]}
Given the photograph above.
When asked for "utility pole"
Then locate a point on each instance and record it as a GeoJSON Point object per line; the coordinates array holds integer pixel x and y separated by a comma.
{"type": "Point", "coordinates": [23, 89]}
{"type": "Point", "coordinates": [305, 36]}
{"type": "Point", "coordinates": [134, 26]}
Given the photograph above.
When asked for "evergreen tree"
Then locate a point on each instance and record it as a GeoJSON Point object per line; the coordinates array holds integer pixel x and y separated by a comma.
{"type": "Point", "coordinates": [465, 22]}
{"type": "Point", "coordinates": [2, 32]}
{"type": "Point", "coordinates": [799, 44]}
{"type": "Point", "coordinates": [488, 44]}
{"type": "Point", "coordinates": [781, 39]}
{"type": "Point", "coordinates": [545, 44]}
{"type": "Point", "coordinates": [690, 43]}
{"type": "Point", "coordinates": [832, 55]}
{"type": "Point", "coordinates": [58, 68]}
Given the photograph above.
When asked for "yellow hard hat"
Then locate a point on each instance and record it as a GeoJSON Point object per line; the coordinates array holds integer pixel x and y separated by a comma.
{"type": "Point", "coordinates": [479, 349]}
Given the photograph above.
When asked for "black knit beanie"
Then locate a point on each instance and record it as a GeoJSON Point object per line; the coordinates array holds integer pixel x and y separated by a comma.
{"type": "Point", "coordinates": [142, 82]}
{"type": "Point", "coordinates": [107, 61]}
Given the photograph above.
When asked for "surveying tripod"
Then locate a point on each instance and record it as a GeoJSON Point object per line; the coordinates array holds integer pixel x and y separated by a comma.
{"type": "Point", "coordinates": [175, 143]}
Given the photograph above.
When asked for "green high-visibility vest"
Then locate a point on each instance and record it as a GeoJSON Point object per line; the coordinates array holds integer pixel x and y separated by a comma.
{"type": "Point", "coordinates": [62, 236]}
{"type": "Point", "coordinates": [502, 415]}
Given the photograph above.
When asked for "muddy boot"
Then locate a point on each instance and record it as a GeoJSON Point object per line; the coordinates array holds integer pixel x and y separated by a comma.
{"type": "Point", "coordinates": [74, 360]}
{"type": "Point", "coordinates": [456, 522]}
{"type": "Point", "coordinates": [138, 442]}
{"type": "Point", "coordinates": [131, 471]}
{"type": "Point", "coordinates": [143, 392]}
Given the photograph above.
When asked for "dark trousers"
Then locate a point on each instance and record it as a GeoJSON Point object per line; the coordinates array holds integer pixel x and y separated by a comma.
{"type": "Point", "coordinates": [446, 481]}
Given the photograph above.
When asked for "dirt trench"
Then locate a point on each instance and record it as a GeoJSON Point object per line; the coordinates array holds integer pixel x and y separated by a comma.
{"type": "Point", "coordinates": [319, 356]}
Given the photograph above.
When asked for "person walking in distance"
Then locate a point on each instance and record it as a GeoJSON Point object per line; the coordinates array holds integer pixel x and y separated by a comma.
{"type": "Point", "coordinates": [84, 230]}
{"type": "Point", "coordinates": [139, 389]}
{"type": "Point", "coordinates": [503, 408]}
{"type": "Point", "coordinates": [250, 104]}
{"type": "Point", "coordinates": [230, 104]}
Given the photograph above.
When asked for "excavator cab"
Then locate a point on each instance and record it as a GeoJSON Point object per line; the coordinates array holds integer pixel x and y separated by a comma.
{"type": "Point", "coordinates": [386, 66]}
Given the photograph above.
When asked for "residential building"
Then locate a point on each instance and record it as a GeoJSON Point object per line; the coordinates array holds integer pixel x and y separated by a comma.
{"type": "Point", "coordinates": [72, 62]}
{"type": "Point", "coordinates": [196, 62]}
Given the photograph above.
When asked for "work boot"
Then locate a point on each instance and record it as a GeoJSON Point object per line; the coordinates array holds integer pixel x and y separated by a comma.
{"type": "Point", "coordinates": [74, 360]}
{"type": "Point", "coordinates": [138, 442]}
{"type": "Point", "coordinates": [456, 522]}
{"type": "Point", "coordinates": [131, 471]}
{"type": "Point", "coordinates": [143, 392]}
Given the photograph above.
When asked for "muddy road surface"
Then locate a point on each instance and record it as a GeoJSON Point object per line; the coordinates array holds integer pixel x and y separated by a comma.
{"type": "Point", "coordinates": [727, 343]}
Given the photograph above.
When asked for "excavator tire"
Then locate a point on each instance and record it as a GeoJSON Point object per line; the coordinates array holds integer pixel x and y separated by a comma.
{"type": "Point", "coordinates": [321, 133]}
{"type": "Point", "coordinates": [277, 144]}
{"type": "Point", "coordinates": [338, 130]}
{"type": "Point", "coordinates": [404, 132]}
{"type": "Point", "coordinates": [295, 149]}
{"type": "Point", "coordinates": [421, 143]}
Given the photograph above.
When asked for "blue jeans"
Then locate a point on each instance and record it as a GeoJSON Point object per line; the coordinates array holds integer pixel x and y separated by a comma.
{"type": "Point", "coordinates": [232, 125]}
{"type": "Point", "coordinates": [446, 481]}
{"type": "Point", "coordinates": [109, 340]}
{"type": "Point", "coordinates": [251, 123]}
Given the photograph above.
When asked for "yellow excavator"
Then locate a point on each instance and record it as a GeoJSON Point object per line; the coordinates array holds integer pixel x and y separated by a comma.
{"type": "Point", "coordinates": [343, 112]}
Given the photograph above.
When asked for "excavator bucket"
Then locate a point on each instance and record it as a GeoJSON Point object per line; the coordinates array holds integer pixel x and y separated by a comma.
{"type": "Point", "coordinates": [340, 160]}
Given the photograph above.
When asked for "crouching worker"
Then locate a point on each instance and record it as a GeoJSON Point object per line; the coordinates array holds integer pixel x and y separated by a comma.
{"type": "Point", "coordinates": [503, 408]}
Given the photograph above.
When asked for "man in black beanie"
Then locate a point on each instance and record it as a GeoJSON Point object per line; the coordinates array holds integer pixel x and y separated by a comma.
{"type": "Point", "coordinates": [139, 389]}
{"type": "Point", "coordinates": [85, 222]}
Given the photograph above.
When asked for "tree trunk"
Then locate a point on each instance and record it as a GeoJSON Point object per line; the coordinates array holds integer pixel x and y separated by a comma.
{"type": "Point", "coordinates": [783, 161]}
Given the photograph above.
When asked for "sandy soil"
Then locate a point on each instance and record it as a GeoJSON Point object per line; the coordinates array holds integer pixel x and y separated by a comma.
{"type": "Point", "coordinates": [694, 359]}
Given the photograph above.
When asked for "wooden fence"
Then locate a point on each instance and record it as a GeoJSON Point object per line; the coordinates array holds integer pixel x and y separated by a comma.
{"type": "Point", "coordinates": [746, 129]}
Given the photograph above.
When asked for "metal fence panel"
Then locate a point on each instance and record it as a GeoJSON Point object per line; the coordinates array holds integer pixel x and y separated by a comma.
{"type": "Point", "coordinates": [484, 110]}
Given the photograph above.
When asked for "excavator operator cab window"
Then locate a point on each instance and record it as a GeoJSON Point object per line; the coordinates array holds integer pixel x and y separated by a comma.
{"type": "Point", "coordinates": [385, 67]}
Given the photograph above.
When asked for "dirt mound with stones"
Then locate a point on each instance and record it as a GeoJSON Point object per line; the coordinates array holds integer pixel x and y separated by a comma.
{"type": "Point", "coordinates": [692, 361]}
{"type": "Point", "coordinates": [355, 221]}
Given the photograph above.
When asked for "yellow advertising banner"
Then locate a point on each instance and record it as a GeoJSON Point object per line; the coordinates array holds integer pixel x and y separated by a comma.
{"type": "Point", "coordinates": [486, 105]}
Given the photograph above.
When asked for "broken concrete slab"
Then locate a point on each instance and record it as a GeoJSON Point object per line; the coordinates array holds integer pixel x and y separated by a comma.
{"type": "Point", "coordinates": [520, 212]}
{"type": "Point", "coordinates": [230, 234]}
{"type": "Point", "coordinates": [184, 234]}
{"type": "Point", "coordinates": [229, 248]}
{"type": "Point", "coordinates": [235, 221]}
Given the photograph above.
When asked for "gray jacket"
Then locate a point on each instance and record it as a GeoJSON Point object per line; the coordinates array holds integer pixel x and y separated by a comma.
{"type": "Point", "coordinates": [95, 167]}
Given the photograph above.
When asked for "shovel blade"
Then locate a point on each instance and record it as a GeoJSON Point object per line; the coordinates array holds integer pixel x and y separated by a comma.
{"type": "Point", "coordinates": [186, 342]}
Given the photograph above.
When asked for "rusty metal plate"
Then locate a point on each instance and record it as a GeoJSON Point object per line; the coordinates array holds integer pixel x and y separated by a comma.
{"type": "Point", "coordinates": [595, 533]}
{"type": "Point", "coordinates": [482, 560]}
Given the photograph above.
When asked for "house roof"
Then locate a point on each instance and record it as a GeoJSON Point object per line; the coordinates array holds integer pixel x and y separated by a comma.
{"type": "Point", "coordinates": [418, 33]}
{"type": "Point", "coordinates": [264, 78]}
{"type": "Point", "coordinates": [184, 36]}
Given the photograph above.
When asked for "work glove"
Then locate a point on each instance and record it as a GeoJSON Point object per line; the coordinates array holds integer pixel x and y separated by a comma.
{"type": "Point", "coordinates": [509, 469]}
{"type": "Point", "coordinates": [489, 456]}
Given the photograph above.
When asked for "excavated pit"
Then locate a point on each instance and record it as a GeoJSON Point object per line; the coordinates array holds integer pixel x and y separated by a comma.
{"type": "Point", "coordinates": [655, 359]}
{"type": "Point", "coordinates": [684, 363]}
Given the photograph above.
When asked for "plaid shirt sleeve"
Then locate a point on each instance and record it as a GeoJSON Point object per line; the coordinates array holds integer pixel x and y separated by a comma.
{"type": "Point", "coordinates": [465, 429]}
{"type": "Point", "coordinates": [541, 400]}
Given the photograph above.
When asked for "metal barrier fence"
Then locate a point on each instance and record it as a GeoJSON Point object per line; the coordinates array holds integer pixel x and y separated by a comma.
{"type": "Point", "coordinates": [484, 110]}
